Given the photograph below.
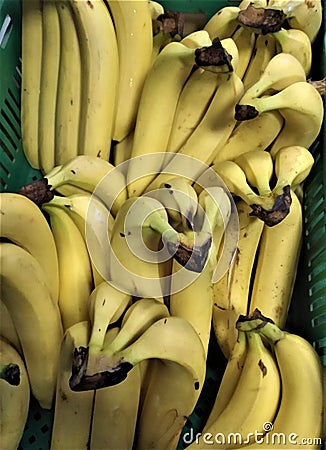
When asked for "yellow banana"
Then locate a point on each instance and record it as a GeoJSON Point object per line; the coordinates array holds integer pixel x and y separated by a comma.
{"type": "Point", "coordinates": [223, 23]}
{"type": "Point", "coordinates": [245, 41]}
{"type": "Point", "coordinates": [8, 329]}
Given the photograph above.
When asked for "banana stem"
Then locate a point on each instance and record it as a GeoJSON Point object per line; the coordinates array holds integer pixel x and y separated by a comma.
{"type": "Point", "coordinates": [214, 58]}
{"type": "Point", "coordinates": [262, 20]}
{"type": "Point", "coordinates": [39, 191]}
{"type": "Point", "coordinates": [10, 373]}
{"type": "Point", "coordinates": [263, 325]}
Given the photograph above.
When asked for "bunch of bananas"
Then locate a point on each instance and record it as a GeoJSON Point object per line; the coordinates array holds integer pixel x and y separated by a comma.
{"type": "Point", "coordinates": [169, 213]}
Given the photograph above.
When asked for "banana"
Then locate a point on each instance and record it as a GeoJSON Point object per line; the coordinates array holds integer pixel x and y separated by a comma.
{"type": "Point", "coordinates": [180, 201]}
{"type": "Point", "coordinates": [186, 288]}
{"type": "Point", "coordinates": [72, 410]}
{"type": "Point", "coordinates": [95, 224]}
{"type": "Point", "coordinates": [301, 15]}
{"type": "Point", "coordinates": [115, 411]}
{"type": "Point", "coordinates": [195, 98]}
{"type": "Point", "coordinates": [171, 338]}
{"type": "Point", "coordinates": [296, 43]}
{"type": "Point", "coordinates": [75, 273]}
{"type": "Point", "coordinates": [293, 424]}
{"type": "Point", "coordinates": [277, 261]}
{"type": "Point", "coordinates": [133, 27]}
{"type": "Point", "coordinates": [245, 42]}
{"type": "Point", "coordinates": [251, 135]}
{"type": "Point", "coordinates": [155, 9]}
{"type": "Point", "coordinates": [255, 399]}
{"type": "Point", "coordinates": [92, 174]}
{"type": "Point", "coordinates": [223, 23]}
{"type": "Point", "coordinates": [8, 329]}
{"type": "Point", "coordinates": [36, 317]}
{"type": "Point", "coordinates": [100, 62]}
{"type": "Point", "coordinates": [137, 264]}
{"type": "Point", "coordinates": [302, 108]}
{"type": "Point", "coordinates": [192, 39]}
{"type": "Point", "coordinates": [122, 149]}
{"type": "Point", "coordinates": [164, 81]}
{"type": "Point", "coordinates": [68, 108]}
{"type": "Point", "coordinates": [14, 399]}
{"type": "Point", "coordinates": [264, 50]}
{"type": "Point", "coordinates": [23, 223]}
{"type": "Point", "coordinates": [259, 167]}
{"type": "Point", "coordinates": [211, 133]}
{"type": "Point", "coordinates": [229, 379]}
{"type": "Point", "coordinates": [231, 293]}
{"type": "Point", "coordinates": [282, 71]}
{"type": "Point", "coordinates": [32, 40]}
{"type": "Point", "coordinates": [51, 55]}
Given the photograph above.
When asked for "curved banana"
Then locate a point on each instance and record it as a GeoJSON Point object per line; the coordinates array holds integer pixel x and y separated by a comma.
{"type": "Point", "coordinates": [32, 41]}
{"type": "Point", "coordinates": [211, 133]}
{"type": "Point", "coordinates": [293, 424]}
{"type": "Point", "coordinates": [8, 329]}
{"type": "Point", "coordinates": [122, 149]}
{"type": "Point", "coordinates": [72, 410]}
{"type": "Point", "coordinates": [92, 174]}
{"type": "Point", "coordinates": [282, 71]}
{"type": "Point", "coordinates": [75, 273]}
{"type": "Point", "coordinates": [223, 23]}
{"type": "Point", "coordinates": [302, 108]}
{"type": "Point", "coordinates": [277, 261]}
{"type": "Point", "coordinates": [14, 399]}
{"type": "Point", "coordinates": [100, 62]}
{"type": "Point", "coordinates": [155, 9]}
{"type": "Point", "coordinates": [255, 399]}
{"type": "Point", "coordinates": [263, 51]}
{"type": "Point", "coordinates": [68, 108]}
{"type": "Point", "coordinates": [51, 55]}
{"type": "Point", "coordinates": [23, 223]}
{"type": "Point", "coordinates": [251, 135]}
{"type": "Point", "coordinates": [26, 295]}
{"type": "Point", "coordinates": [297, 43]}
{"type": "Point", "coordinates": [245, 42]}
{"type": "Point", "coordinates": [133, 27]}
{"type": "Point", "coordinates": [165, 80]}
{"type": "Point", "coordinates": [195, 98]}
{"type": "Point", "coordinates": [229, 379]}
{"type": "Point", "coordinates": [231, 293]}
{"type": "Point", "coordinates": [192, 39]}
{"type": "Point", "coordinates": [259, 167]}
{"type": "Point", "coordinates": [301, 15]}
{"type": "Point", "coordinates": [115, 410]}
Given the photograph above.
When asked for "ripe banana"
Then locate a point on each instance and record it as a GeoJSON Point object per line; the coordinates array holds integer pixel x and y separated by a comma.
{"type": "Point", "coordinates": [277, 261]}
{"type": "Point", "coordinates": [245, 42]}
{"type": "Point", "coordinates": [192, 39]}
{"type": "Point", "coordinates": [75, 273]}
{"type": "Point", "coordinates": [282, 71]}
{"type": "Point", "coordinates": [255, 399]}
{"type": "Point", "coordinates": [302, 108]}
{"type": "Point", "coordinates": [68, 108]}
{"type": "Point", "coordinates": [36, 317]}
{"type": "Point", "coordinates": [165, 81]}
{"type": "Point", "coordinates": [51, 55]}
{"type": "Point", "coordinates": [122, 149]}
{"type": "Point", "coordinates": [8, 329]}
{"type": "Point", "coordinates": [72, 410]}
{"type": "Point", "coordinates": [256, 134]}
{"type": "Point", "coordinates": [195, 98]}
{"type": "Point", "coordinates": [264, 50]}
{"type": "Point", "coordinates": [32, 40]}
{"type": "Point", "coordinates": [92, 174]}
{"type": "Point", "coordinates": [115, 410]}
{"type": "Point", "coordinates": [223, 23]}
{"type": "Point", "coordinates": [293, 424]}
{"type": "Point", "coordinates": [191, 295]}
{"type": "Point", "coordinates": [14, 399]}
{"type": "Point", "coordinates": [23, 223]}
{"type": "Point", "coordinates": [211, 133]}
{"type": "Point", "coordinates": [231, 293]}
{"type": "Point", "coordinates": [100, 62]}
{"type": "Point", "coordinates": [259, 169]}
{"type": "Point", "coordinates": [296, 43]}
{"type": "Point", "coordinates": [133, 27]}
{"type": "Point", "coordinates": [229, 379]}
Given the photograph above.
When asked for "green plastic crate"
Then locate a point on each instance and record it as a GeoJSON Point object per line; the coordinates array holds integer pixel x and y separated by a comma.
{"type": "Point", "coordinates": [307, 315]}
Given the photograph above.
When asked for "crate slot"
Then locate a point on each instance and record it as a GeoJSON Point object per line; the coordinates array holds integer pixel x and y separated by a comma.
{"type": "Point", "coordinates": [15, 97]}
{"type": "Point", "coordinates": [5, 31]}
{"type": "Point", "coordinates": [11, 126]}
{"type": "Point", "coordinates": [5, 146]}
